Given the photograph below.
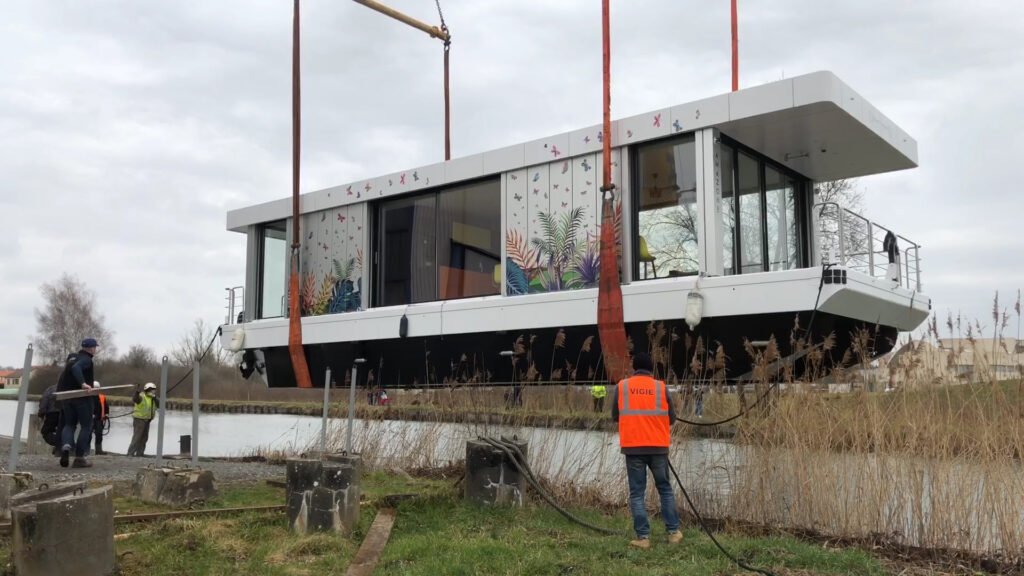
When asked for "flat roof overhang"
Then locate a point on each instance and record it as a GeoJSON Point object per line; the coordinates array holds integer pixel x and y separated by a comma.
{"type": "Point", "coordinates": [814, 124]}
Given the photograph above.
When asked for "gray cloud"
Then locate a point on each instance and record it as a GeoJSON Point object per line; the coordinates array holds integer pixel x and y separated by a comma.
{"type": "Point", "coordinates": [129, 129]}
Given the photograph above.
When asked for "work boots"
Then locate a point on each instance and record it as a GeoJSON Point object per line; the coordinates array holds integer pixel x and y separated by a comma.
{"type": "Point", "coordinates": [65, 453]}
{"type": "Point", "coordinates": [675, 537]}
{"type": "Point", "coordinates": [81, 463]}
{"type": "Point", "coordinates": [643, 543]}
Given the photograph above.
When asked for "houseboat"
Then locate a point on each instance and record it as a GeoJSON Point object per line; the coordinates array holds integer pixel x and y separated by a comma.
{"type": "Point", "coordinates": [484, 269]}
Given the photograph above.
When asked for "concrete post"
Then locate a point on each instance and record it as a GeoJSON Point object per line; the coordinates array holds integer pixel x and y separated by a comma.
{"type": "Point", "coordinates": [12, 460]}
{"type": "Point", "coordinates": [68, 529]}
{"type": "Point", "coordinates": [323, 495]}
{"type": "Point", "coordinates": [163, 407]}
{"type": "Point", "coordinates": [491, 478]}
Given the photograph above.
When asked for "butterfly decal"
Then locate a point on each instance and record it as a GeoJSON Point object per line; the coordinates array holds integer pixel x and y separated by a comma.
{"type": "Point", "coordinates": [401, 179]}
{"type": "Point", "coordinates": [310, 237]}
{"type": "Point", "coordinates": [555, 151]}
{"type": "Point", "coordinates": [565, 204]}
{"type": "Point", "coordinates": [389, 182]}
{"type": "Point", "coordinates": [698, 114]}
{"type": "Point", "coordinates": [545, 195]}
{"type": "Point", "coordinates": [556, 186]}
{"type": "Point", "coordinates": [428, 181]}
{"type": "Point", "coordinates": [629, 133]}
{"type": "Point", "coordinates": [367, 187]}
{"type": "Point", "coordinates": [536, 191]}
{"type": "Point", "coordinates": [600, 136]}
{"type": "Point", "coordinates": [349, 190]}
{"type": "Point", "coordinates": [586, 139]}
{"type": "Point", "coordinates": [325, 247]}
{"type": "Point", "coordinates": [677, 126]}
{"type": "Point", "coordinates": [536, 176]}
{"type": "Point", "coordinates": [514, 177]}
{"type": "Point", "coordinates": [416, 176]}
{"type": "Point", "coordinates": [657, 120]}
{"type": "Point", "coordinates": [585, 165]}
{"type": "Point", "coordinates": [350, 238]}
{"type": "Point", "coordinates": [360, 227]}
{"type": "Point", "coordinates": [565, 167]}
{"type": "Point", "coordinates": [589, 183]}
{"type": "Point", "coordinates": [341, 218]}
{"type": "Point", "coordinates": [323, 217]}
{"type": "Point", "coordinates": [359, 194]}
{"type": "Point", "coordinates": [517, 197]}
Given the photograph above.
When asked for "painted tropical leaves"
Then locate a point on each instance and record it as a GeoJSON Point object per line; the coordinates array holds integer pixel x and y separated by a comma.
{"type": "Point", "coordinates": [559, 259]}
{"type": "Point", "coordinates": [337, 292]}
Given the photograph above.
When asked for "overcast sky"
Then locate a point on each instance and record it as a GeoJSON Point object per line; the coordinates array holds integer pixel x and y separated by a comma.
{"type": "Point", "coordinates": [128, 129]}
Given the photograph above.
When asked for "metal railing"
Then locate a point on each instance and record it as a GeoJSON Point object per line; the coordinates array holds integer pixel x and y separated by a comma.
{"type": "Point", "coordinates": [851, 240]}
{"type": "Point", "coordinates": [235, 304]}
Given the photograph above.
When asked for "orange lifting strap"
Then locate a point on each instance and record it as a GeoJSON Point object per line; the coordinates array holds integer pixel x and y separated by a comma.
{"type": "Point", "coordinates": [610, 325]}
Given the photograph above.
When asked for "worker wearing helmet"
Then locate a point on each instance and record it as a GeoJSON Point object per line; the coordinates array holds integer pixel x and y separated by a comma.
{"type": "Point", "coordinates": [643, 409]}
{"type": "Point", "coordinates": [100, 418]}
{"type": "Point", "coordinates": [146, 405]}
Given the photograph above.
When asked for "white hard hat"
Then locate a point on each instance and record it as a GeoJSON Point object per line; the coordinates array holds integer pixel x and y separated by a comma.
{"type": "Point", "coordinates": [149, 386]}
{"type": "Point", "coordinates": [95, 383]}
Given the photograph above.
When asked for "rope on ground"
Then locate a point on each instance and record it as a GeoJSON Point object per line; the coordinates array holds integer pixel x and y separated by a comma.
{"type": "Point", "coordinates": [707, 530]}
{"type": "Point", "coordinates": [519, 461]}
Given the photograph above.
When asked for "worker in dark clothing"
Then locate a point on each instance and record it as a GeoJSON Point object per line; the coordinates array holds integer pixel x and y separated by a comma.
{"type": "Point", "coordinates": [100, 418]}
{"type": "Point", "coordinates": [49, 413]}
{"type": "Point", "coordinates": [644, 411]}
{"type": "Point", "coordinates": [77, 412]}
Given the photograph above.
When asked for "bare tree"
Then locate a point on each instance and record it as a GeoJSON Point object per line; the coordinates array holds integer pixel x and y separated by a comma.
{"type": "Point", "coordinates": [845, 194]}
{"type": "Point", "coordinates": [194, 343]}
{"type": "Point", "coordinates": [68, 316]}
{"type": "Point", "coordinates": [139, 357]}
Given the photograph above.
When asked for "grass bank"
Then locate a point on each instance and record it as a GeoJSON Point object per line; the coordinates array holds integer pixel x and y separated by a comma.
{"type": "Point", "coordinates": [438, 534]}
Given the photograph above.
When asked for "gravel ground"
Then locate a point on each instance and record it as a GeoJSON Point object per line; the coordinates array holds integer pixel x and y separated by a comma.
{"type": "Point", "coordinates": [119, 468]}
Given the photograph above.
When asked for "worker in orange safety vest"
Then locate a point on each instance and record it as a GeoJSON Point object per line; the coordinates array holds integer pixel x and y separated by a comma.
{"type": "Point", "coordinates": [643, 409]}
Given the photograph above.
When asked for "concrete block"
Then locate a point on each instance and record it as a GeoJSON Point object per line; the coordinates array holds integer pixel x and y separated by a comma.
{"type": "Point", "coordinates": [179, 487]}
{"type": "Point", "coordinates": [491, 477]}
{"type": "Point", "coordinates": [323, 495]}
{"type": "Point", "coordinates": [10, 485]}
{"type": "Point", "coordinates": [57, 532]}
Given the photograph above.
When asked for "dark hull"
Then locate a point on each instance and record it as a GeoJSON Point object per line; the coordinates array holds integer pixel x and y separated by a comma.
{"type": "Point", "coordinates": [716, 350]}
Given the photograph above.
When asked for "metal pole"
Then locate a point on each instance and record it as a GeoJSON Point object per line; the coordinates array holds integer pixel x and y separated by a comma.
{"type": "Point", "coordinates": [12, 461]}
{"type": "Point", "coordinates": [352, 402]}
{"type": "Point", "coordinates": [195, 414]}
{"type": "Point", "coordinates": [327, 402]}
{"type": "Point", "coordinates": [735, 50]}
{"type": "Point", "coordinates": [163, 404]}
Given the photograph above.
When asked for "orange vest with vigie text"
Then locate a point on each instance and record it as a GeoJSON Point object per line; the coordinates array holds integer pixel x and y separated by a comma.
{"type": "Point", "coordinates": [643, 413]}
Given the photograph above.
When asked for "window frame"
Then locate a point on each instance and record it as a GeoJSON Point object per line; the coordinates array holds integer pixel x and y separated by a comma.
{"type": "Point", "coordinates": [636, 183]}
{"type": "Point", "coordinates": [261, 249]}
{"type": "Point", "coordinates": [801, 190]}
{"type": "Point", "coordinates": [374, 212]}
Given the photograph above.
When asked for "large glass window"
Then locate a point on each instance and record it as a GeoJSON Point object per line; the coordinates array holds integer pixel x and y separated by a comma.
{"type": "Point", "coordinates": [761, 206]}
{"type": "Point", "coordinates": [273, 268]}
{"type": "Point", "coordinates": [783, 238]}
{"type": "Point", "coordinates": [749, 192]}
{"type": "Point", "coordinates": [408, 250]}
{"type": "Point", "coordinates": [727, 208]}
{"type": "Point", "coordinates": [440, 245]}
{"type": "Point", "coordinates": [667, 219]}
{"type": "Point", "coordinates": [468, 237]}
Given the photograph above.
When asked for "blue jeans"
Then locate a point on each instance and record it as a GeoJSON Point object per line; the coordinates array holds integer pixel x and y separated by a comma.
{"type": "Point", "coordinates": [636, 472]}
{"type": "Point", "coordinates": [77, 412]}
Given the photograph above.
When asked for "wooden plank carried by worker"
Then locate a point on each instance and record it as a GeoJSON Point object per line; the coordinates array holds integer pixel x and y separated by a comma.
{"type": "Point", "coordinates": [69, 394]}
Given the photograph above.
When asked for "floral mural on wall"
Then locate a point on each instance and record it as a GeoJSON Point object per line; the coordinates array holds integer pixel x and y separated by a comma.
{"type": "Point", "coordinates": [332, 260]}
{"type": "Point", "coordinates": [552, 238]}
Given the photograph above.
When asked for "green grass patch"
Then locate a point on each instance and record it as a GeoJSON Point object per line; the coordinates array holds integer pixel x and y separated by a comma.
{"type": "Point", "coordinates": [438, 533]}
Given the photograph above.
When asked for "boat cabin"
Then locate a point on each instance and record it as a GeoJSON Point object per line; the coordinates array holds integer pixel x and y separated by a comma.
{"type": "Point", "coordinates": [484, 269]}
